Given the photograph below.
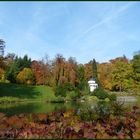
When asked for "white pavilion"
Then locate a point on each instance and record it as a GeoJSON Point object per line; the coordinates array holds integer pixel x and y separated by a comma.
{"type": "Point", "coordinates": [92, 84]}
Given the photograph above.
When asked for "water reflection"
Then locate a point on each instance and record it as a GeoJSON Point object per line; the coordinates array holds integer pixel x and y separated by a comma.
{"type": "Point", "coordinates": [36, 107]}
{"type": "Point", "coordinates": [42, 107]}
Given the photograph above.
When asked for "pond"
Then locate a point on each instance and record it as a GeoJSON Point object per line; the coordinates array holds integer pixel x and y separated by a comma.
{"type": "Point", "coordinates": [35, 107]}
{"type": "Point", "coordinates": [43, 107]}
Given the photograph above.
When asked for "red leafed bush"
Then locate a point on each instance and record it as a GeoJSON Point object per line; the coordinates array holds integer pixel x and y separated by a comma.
{"type": "Point", "coordinates": [69, 125]}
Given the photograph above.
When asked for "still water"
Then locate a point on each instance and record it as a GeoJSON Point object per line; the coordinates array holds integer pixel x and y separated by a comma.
{"type": "Point", "coordinates": [35, 107]}
{"type": "Point", "coordinates": [43, 107]}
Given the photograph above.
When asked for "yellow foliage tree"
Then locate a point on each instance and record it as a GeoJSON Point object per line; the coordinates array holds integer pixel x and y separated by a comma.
{"type": "Point", "coordinates": [1, 73]}
{"type": "Point", "coordinates": [25, 76]}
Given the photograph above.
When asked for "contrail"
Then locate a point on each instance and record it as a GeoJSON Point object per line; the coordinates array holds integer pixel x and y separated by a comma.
{"type": "Point", "coordinates": [105, 20]}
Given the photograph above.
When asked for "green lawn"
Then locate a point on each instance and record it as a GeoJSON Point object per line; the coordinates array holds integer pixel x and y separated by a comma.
{"type": "Point", "coordinates": [27, 92]}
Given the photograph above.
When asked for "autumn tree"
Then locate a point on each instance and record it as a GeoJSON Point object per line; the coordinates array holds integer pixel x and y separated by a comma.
{"type": "Point", "coordinates": [2, 63]}
{"type": "Point", "coordinates": [121, 74]}
{"type": "Point", "coordinates": [41, 72]}
{"type": "Point", "coordinates": [36, 68]}
{"type": "Point", "coordinates": [88, 70]}
{"type": "Point", "coordinates": [25, 76]}
{"type": "Point", "coordinates": [70, 71]}
{"type": "Point", "coordinates": [58, 69]}
{"type": "Point", "coordinates": [2, 72]}
{"type": "Point", "coordinates": [104, 72]}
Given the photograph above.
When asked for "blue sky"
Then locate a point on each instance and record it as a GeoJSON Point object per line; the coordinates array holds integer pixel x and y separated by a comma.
{"type": "Point", "coordinates": [84, 30]}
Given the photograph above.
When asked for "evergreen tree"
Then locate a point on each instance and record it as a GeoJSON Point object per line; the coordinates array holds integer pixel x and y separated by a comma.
{"type": "Point", "coordinates": [80, 77]}
{"type": "Point", "coordinates": [94, 68]}
{"type": "Point", "coordinates": [16, 66]}
{"type": "Point", "coordinates": [95, 73]}
{"type": "Point", "coordinates": [99, 92]}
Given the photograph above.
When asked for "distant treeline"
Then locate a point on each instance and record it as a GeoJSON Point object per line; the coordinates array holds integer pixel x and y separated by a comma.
{"type": "Point", "coordinates": [119, 74]}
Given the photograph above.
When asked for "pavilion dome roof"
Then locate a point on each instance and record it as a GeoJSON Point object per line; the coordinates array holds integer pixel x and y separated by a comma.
{"type": "Point", "coordinates": [91, 81]}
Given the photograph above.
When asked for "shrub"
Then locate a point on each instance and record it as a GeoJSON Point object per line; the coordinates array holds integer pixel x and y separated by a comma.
{"type": "Point", "coordinates": [73, 95]}
{"type": "Point", "coordinates": [103, 109]}
{"type": "Point", "coordinates": [59, 99]}
{"type": "Point", "coordinates": [91, 98]}
{"type": "Point", "coordinates": [60, 91]}
{"type": "Point", "coordinates": [86, 114]}
{"type": "Point", "coordinates": [112, 97]}
{"type": "Point", "coordinates": [69, 86]}
{"type": "Point", "coordinates": [118, 108]}
{"type": "Point", "coordinates": [3, 79]}
{"type": "Point", "coordinates": [95, 98]}
{"type": "Point", "coordinates": [107, 99]}
{"type": "Point", "coordinates": [100, 93]}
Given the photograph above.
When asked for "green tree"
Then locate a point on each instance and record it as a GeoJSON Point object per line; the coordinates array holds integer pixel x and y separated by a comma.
{"type": "Point", "coordinates": [94, 69]}
{"type": "Point", "coordinates": [99, 92]}
{"type": "Point", "coordinates": [95, 72]}
{"type": "Point", "coordinates": [17, 65]}
{"type": "Point", "coordinates": [63, 89]}
{"type": "Point", "coordinates": [136, 66]}
{"type": "Point", "coordinates": [24, 62]}
{"type": "Point", "coordinates": [81, 78]}
{"type": "Point", "coordinates": [12, 72]}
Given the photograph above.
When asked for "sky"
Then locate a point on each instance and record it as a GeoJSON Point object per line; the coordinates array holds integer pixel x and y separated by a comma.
{"type": "Point", "coordinates": [84, 30]}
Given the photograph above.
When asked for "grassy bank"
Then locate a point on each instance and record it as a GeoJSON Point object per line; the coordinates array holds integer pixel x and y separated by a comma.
{"type": "Point", "coordinates": [12, 93]}
{"type": "Point", "coordinates": [24, 92]}
{"type": "Point", "coordinates": [5, 100]}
